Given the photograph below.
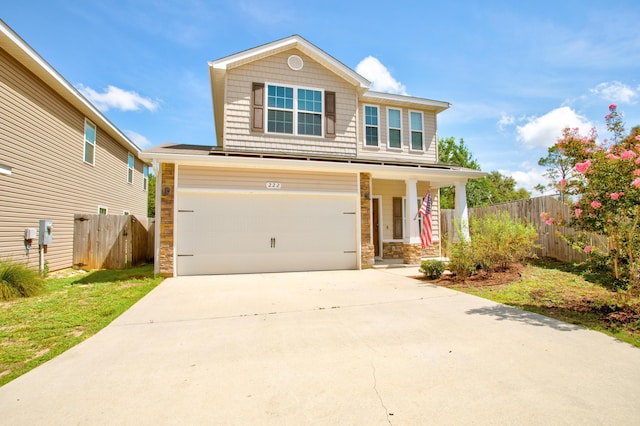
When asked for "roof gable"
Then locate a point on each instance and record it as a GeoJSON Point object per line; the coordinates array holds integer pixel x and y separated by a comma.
{"type": "Point", "coordinates": [292, 42]}
{"type": "Point", "coordinates": [13, 44]}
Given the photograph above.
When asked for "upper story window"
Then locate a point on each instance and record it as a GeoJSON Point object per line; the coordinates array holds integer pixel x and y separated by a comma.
{"type": "Point", "coordinates": [131, 164]}
{"type": "Point", "coordinates": [5, 170]}
{"type": "Point", "coordinates": [89, 142]}
{"type": "Point", "coordinates": [289, 108]}
{"type": "Point", "coordinates": [416, 121]}
{"type": "Point", "coordinates": [394, 122]}
{"type": "Point", "coordinates": [145, 177]}
{"type": "Point", "coordinates": [371, 125]}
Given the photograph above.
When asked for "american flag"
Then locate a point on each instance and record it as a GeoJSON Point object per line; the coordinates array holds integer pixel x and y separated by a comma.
{"type": "Point", "coordinates": [425, 211]}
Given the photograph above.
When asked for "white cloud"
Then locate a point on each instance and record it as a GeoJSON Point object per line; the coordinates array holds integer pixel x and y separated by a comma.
{"type": "Point", "coordinates": [615, 91]}
{"type": "Point", "coordinates": [527, 177]}
{"type": "Point", "coordinates": [506, 120]}
{"type": "Point", "coordinates": [379, 76]}
{"type": "Point", "coordinates": [545, 130]}
{"type": "Point", "coordinates": [114, 97]}
{"type": "Point", "coordinates": [141, 141]}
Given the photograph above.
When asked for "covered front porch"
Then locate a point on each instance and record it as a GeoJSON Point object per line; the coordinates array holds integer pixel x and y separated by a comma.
{"type": "Point", "coordinates": [391, 225]}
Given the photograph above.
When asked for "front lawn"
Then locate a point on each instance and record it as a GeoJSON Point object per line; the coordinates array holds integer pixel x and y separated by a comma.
{"type": "Point", "coordinates": [73, 306]}
{"type": "Point", "coordinates": [567, 293]}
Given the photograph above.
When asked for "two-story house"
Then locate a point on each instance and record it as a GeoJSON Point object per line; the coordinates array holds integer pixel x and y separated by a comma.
{"type": "Point", "coordinates": [312, 171]}
{"type": "Point", "coordinates": [59, 156]}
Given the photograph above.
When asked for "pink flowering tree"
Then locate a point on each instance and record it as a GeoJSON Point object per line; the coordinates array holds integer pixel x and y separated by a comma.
{"type": "Point", "coordinates": [605, 180]}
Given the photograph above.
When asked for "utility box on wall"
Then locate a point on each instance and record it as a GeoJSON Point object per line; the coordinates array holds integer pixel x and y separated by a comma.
{"type": "Point", "coordinates": [45, 234]}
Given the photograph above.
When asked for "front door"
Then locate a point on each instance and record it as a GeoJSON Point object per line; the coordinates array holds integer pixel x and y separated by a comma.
{"type": "Point", "coordinates": [376, 226]}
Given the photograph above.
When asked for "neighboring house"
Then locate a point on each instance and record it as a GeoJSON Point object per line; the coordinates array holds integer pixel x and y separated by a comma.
{"type": "Point", "coordinates": [312, 171]}
{"type": "Point", "coordinates": [58, 156]}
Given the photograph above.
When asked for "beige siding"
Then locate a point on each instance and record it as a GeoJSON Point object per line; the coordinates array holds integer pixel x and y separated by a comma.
{"type": "Point", "coordinates": [387, 190]}
{"type": "Point", "coordinates": [274, 69]}
{"type": "Point", "coordinates": [42, 140]}
{"type": "Point", "coordinates": [383, 152]}
{"type": "Point", "coordinates": [207, 178]}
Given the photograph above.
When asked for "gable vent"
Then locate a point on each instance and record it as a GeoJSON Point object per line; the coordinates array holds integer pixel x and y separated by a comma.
{"type": "Point", "coordinates": [295, 62]}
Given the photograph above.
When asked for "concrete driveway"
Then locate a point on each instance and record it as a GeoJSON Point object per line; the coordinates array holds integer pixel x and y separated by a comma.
{"type": "Point", "coordinates": [367, 347]}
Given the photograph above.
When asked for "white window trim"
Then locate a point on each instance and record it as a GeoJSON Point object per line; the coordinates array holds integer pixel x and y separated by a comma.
{"type": "Point", "coordinates": [106, 209]}
{"type": "Point", "coordinates": [411, 148]}
{"type": "Point", "coordinates": [365, 125]}
{"type": "Point", "coordinates": [5, 170]}
{"type": "Point", "coordinates": [131, 169]}
{"type": "Point", "coordinates": [295, 110]}
{"type": "Point", "coordinates": [85, 141]}
{"type": "Point", "coordinates": [389, 128]}
{"type": "Point", "coordinates": [126, 212]}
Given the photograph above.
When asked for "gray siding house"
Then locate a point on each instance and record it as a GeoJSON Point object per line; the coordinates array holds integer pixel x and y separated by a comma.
{"type": "Point", "coordinates": [58, 156]}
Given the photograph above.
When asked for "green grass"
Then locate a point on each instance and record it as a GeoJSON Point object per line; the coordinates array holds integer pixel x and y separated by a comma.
{"type": "Point", "coordinates": [570, 294]}
{"type": "Point", "coordinates": [68, 310]}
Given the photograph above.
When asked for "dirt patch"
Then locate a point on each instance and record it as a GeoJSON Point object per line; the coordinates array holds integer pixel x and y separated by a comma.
{"type": "Point", "coordinates": [481, 279]}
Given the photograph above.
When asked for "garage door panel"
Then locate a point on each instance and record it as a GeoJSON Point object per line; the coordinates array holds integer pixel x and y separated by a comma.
{"type": "Point", "coordinates": [236, 233]}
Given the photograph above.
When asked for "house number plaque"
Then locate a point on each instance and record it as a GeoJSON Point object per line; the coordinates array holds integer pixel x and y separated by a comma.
{"type": "Point", "coordinates": [274, 185]}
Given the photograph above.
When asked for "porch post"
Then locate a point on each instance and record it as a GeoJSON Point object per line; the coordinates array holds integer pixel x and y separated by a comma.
{"type": "Point", "coordinates": [412, 250]}
{"type": "Point", "coordinates": [462, 213]}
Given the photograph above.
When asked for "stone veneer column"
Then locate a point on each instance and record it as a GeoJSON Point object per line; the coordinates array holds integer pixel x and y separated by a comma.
{"type": "Point", "coordinates": [167, 199]}
{"type": "Point", "coordinates": [412, 254]}
{"type": "Point", "coordinates": [367, 255]}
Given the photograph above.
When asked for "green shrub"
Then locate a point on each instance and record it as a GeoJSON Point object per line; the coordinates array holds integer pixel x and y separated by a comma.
{"type": "Point", "coordinates": [461, 261]}
{"type": "Point", "coordinates": [498, 240]}
{"type": "Point", "coordinates": [18, 280]}
{"type": "Point", "coordinates": [432, 268]}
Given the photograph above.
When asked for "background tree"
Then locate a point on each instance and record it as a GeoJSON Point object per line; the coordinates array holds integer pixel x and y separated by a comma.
{"type": "Point", "coordinates": [495, 188]}
{"type": "Point", "coordinates": [151, 196]}
{"type": "Point", "coordinates": [558, 171]}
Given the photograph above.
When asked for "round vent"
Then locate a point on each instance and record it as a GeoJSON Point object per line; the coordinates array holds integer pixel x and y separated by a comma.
{"type": "Point", "coordinates": [295, 62]}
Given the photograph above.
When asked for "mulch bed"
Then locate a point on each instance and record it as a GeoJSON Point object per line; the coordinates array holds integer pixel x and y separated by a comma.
{"type": "Point", "coordinates": [482, 278]}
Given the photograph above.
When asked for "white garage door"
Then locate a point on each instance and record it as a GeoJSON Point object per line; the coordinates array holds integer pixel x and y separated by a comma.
{"type": "Point", "coordinates": [240, 233]}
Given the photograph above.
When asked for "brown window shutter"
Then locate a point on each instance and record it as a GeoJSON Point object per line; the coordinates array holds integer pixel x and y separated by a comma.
{"type": "Point", "coordinates": [397, 218]}
{"type": "Point", "coordinates": [330, 114]}
{"type": "Point", "coordinates": [257, 107]}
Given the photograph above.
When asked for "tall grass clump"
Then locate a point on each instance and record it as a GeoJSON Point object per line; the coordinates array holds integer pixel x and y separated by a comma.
{"type": "Point", "coordinates": [18, 280]}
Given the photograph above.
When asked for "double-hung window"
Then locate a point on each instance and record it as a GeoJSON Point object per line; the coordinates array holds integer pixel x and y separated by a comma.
{"type": "Point", "coordinates": [309, 112]}
{"type": "Point", "coordinates": [371, 125]}
{"type": "Point", "coordinates": [416, 130]}
{"type": "Point", "coordinates": [394, 122]}
{"type": "Point", "coordinates": [294, 110]}
{"type": "Point", "coordinates": [130, 167]}
{"type": "Point", "coordinates": [89, 142]}
{"type": "Point", "coordinates": [280, 109]}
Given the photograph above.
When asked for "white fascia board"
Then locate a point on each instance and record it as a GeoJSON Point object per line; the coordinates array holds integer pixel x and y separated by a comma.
{"type": "Point", "coordinates": [406, 100]}
{"type": "Point", "coordinates": [378, 171]}
{"type": "Point", "coordinates": [27, 56]}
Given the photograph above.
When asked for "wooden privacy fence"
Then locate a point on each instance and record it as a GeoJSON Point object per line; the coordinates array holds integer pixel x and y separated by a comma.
{"type": "Point", "coordinates": [550, 237]}
{"type": "Point", "coordinates": [111, 241]}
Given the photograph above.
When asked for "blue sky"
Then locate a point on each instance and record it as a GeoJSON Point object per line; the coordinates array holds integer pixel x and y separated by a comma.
{"type": "Point", "coordinates": [516, 73]}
